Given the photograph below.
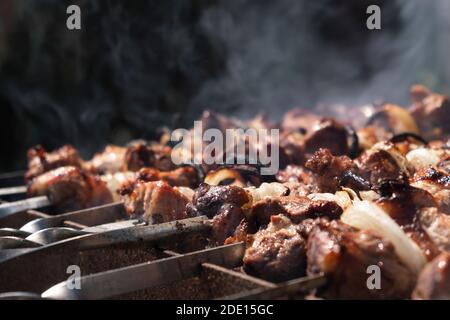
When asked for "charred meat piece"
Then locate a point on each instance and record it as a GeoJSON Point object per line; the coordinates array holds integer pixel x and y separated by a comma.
{"type": "Point", "coordinates": [41, 161]}
{"type": "Point", "coordinates": [224, 204]}
{"type": "Point", "coordinates": [299, 180]}
{"type": "Point", "coordinates": [70, 188]}
{"type": "Point", "coordinates": [437, 183]}
{"type": "Point", "coordinates": [330, 169]}
{"type": "Point", "coordinates": [208, 199]}
{"type": "Point", "coordinates": [277, 252]}
{"type": "Point", "coordinates": [434, 280]}
{"type": "Point", "coordinates": [327, 134]}
{"type": "Point", "coordinates": [182, 177]}
{"type": "Point", "coordinates": [296, 209]}
{"type": "Point", "coordinates": [154, 201]}
{"type": "Point", "coordinates": [140, 155]}
{"type": "Point", "coordinates": [110, 160]}
{"type": "Point", "coordinates": [344, 255]}
{"type": "Point", "coordinates": [383, 162]}
{"type": "Point", "coordinates": [431, 111]}
{"type": "Point", "coordinates": [371, 135]}
{"type": "Point", "coordinates": [437, 227]}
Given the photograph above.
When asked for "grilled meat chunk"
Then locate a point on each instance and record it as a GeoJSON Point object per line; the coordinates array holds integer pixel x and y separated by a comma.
{"type": "Point", "coordinates": [223, 204]}
{"type": "Point", "coordinates": [69, 188]}
{"type": "Point", "coordinates": [299, 180]}
{"type": "Point", "coordinates": [182, 177]}
{"type": "Point", "coordinates": [327, 134]}
{"type": "Point", "coordinates": [41, 161]}
{"type": "Point", "coordinates": [383, 162]}
{"type": "Point", "coordinates": [434, 280]}
{"type": "Point", "coordinates": [437, 183]}
{"type": "Point", "coordinates": [154, 201]}
{"type": "Point", "coordinates": [329, 169]}
{"type": "Point", "coordinates": [296, 209]}
{"type": "Point", "coordinates": [277, 252]}
{"type": "Point", "coordinates": [344, 254]}
{"type": "Point", "coordinates": [110, 160]}
{"type": "Point", "coordinates": [437, 227]}
{"type": "Point", "coordinates": [139, 155]}
{"type": "Point", "coordinates": [431, 111]}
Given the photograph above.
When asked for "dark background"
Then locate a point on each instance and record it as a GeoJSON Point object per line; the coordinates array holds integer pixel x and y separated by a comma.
{"type": "Point", "coordinates": [137, 66]}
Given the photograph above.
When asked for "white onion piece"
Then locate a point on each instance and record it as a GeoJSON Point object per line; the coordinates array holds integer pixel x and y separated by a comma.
{"type": "Point", "coordinates": [367, 215]}
{"type": "Point", "coordinates": [342, 198]}
{"type": "Point", "coordinates": [422, 157]}
{"type": "Point", "coordinates": [187, 192]}
{"type": "Point", "coordinates": [273, 189]}
{"type": "Point", "coordinates": [369, 195]}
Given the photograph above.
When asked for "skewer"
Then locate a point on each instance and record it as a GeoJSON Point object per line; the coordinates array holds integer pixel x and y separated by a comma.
{"type": "Point", "coordinates": [300, 285]}
{"type": "Point", "coordinates": [10, 208]}
{"type": "Point", "coordinates": [87, 217]}
{"type": "Point", "coordinates": [13, 191]}
{"type": "Point", "coordinates": [116, 282]}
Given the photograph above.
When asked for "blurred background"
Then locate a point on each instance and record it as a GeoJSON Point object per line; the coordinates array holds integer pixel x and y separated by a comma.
{"type": "Point", "coordinates": [137, 66]}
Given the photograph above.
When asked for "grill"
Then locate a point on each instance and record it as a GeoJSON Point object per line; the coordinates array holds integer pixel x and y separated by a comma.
{"type": "Point", "coordinates": [120, 258]}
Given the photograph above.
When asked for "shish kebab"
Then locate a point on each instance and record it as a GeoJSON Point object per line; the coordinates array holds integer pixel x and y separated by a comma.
{"type": "Point", "coordinates": [333, 211]}
{"type": "Point", "coordinates": [63, 179]}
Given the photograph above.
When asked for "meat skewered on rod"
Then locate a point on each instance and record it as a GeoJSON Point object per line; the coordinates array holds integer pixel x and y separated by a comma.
{"type": "Point", "coordinates": [111, 160]}
{"type": "Point", "coordinates": [72, 188]}
{"type": "Point", "coordinates": [342, 201]}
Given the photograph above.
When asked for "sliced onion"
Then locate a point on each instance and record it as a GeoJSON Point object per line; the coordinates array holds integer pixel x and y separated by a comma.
{"type": "Point", "coordinates": [342, 198]}
{"type": "Point", "coordinates": [271, 190]}
{"type": "Point", "coordinates": [187, 192]}
{"type": "Point", "coordinates": [423, 157]}
{"type": "Point", "coordinates": [225, 176]}
{"type": "Point", "coordinates": [367, 215]}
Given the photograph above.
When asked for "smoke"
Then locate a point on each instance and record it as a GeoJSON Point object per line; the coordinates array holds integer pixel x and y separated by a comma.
{"type": "Point", "coordinates": [282, 54]}
{"type": "Point", "coordinates": [137, 66]}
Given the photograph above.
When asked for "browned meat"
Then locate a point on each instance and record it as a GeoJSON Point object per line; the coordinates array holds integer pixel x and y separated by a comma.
{"type": "Point", "coordinates": [181, 177]}
{"type": "Point", "coordinates": [208, 199]}
{"type": "Point", "coordinates": [431, 111]}
{"type": "Point", "coordinates": [370, 135]}
{"type": "Point", "coordinates": [437, 183]}
{"type": "Point", "coordinates": [437, 227]}
{"type": "Point", "coordinates": [295, 208]}
{"type": "Point", "coordinates": [40, 161]}
{"type": "Point", "coordinates": [404, 204]}
{"type": "Point", "coordinates": [70, 188]}
{"type": "Point", "coordinates": [224, 204]}
{"type": "Point", "coordinates": [140, 155]}
{"type": "Point", "coordinates": [434, 280]}
{"type": "Point", "coordinates": [277, 252]}
{"type": "Point", "coordinates": [344, 254]}
{"type": "Point", "coordinates": [383, 162]}
{"type": "Point", "coordinates": [110, 160]}
{"type": "Point", "coordinates": [327, 134]}
{"type": "Point", "coordinates": [294, 173]}
{"type": "Point", "coordinates": [154, 202]}
{"type": "Point", "coordinates": [330, 169]}
{"type": "Point", "coordinates": [299, 180]}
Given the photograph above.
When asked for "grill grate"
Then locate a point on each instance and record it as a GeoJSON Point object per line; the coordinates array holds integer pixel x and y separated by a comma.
{"type": "Point", "coordinates": [112, 247]}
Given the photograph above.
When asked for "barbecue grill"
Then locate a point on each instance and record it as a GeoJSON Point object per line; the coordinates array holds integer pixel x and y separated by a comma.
{"type": "Point", "coordinates": [124, 259]}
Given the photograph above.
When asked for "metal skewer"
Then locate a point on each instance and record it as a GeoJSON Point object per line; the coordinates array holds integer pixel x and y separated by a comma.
{"type": "Point", "coordinates": [116, 282]}
{"type": "Point", "coordinates": [10, 208]}
{"type": "Point", "coordinates": [13, 191]}
{"type": "Point", "coordinates": [300, 285]}
{"type": "Point", "coordinates": [88, 217]}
